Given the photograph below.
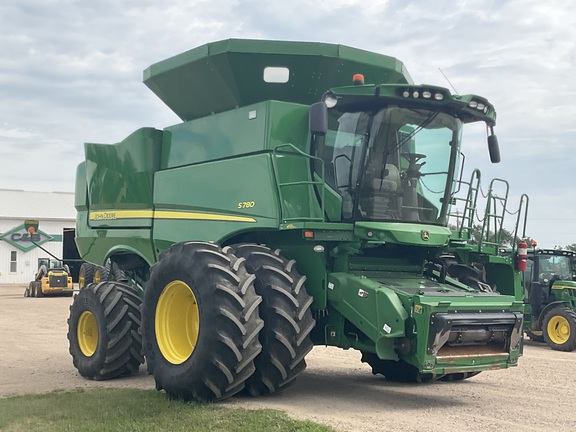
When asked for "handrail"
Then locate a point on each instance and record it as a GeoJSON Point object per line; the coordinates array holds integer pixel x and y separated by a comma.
{"type": "Point", "coordinates": [497, 219]}
{"type": "Point", "coordinates": [319, 184]}
{"type": "Point", "coordinates": [465, 222]}
{"type": "Point", "coordinates": [524, 201]}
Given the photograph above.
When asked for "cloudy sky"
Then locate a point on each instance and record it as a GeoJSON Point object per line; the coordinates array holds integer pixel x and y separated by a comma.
{"type": "Point", "coordinates": [71, 72]}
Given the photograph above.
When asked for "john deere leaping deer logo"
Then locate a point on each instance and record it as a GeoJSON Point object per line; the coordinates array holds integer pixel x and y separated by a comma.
{"type": "Point", "coordinates": [425, 235]}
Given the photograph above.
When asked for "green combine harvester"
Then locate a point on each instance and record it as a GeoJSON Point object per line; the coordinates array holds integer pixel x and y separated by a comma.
{"type": "Point", "coordinates": [304, 200]}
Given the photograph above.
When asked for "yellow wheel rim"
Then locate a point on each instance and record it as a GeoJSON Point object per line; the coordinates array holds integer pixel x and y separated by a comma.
{"type": "Point", "coordinates": [97, 276]}
{"type": "Point", "coordinates": [177, 322]}
{"type": "Point", "coordinates": [81, 279]}
{"type": "Point", "coordinates": [559, 329]}
{"type": "Point", "coordinates": [87, 333]}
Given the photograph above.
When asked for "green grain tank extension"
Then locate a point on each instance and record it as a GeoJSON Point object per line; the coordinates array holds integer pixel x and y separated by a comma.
{"type": "Point", "coordinates": [303, 200]}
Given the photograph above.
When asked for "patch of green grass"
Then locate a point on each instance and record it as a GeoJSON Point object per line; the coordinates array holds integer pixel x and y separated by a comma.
{"type": "Point", "coordinates": [136, 411]}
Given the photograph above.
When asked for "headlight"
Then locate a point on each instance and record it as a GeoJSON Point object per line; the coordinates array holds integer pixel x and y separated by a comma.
{"type": "Point", "coordinates": [330, 101]}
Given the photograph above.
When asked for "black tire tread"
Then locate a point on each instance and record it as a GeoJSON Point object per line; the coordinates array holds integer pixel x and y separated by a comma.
{"type": "Point", "coordinates": [287, 316]}
{"type": "Point", "coordinates": [223, 358]}
{"type": "Point", "coordinates": [570, 316]}
{"type": "Point", "coordinates": [119, 349]}
{"type": "Point", "coordinates": [39, 292]}
{"type": "Point", "coordinates": [86, 270]}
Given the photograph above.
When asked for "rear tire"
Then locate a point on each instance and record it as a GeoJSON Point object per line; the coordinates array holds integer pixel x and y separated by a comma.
{"type": "Point", "coordinates": [559, 329]}
{"type": "Point", "coordinates": [103, 331]}
{"type": "Point", "coordinates": [100, 274]}
{"type": "Point", "coordinates": [38, 291]}
{"type": "Point", "coordinates": [86, 275]}
{"type": "Point", "coordinates": [287, 319]}
{"type": "Point", "coordinates": [200, 322]}
{"type": "Point", "coordinates": [115, 273]}
{"type": "Point", "coordinates": [28, 290]}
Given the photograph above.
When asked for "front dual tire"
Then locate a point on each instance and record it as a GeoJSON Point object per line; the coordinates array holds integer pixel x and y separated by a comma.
{"type": "Point", "coordinates": [200, 322]}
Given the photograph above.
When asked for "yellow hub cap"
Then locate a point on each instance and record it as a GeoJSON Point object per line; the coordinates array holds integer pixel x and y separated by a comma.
{"type": "Point", "coordinates": [87, 333]}
{"type": "Point", "coordinates": [559, 329]}
{"type": "Point", "coordinates": [97, 276]}
{"type": "Point", "coordinates": [177, 322]}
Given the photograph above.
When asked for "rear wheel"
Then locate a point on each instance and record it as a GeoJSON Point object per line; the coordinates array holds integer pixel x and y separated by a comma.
{"type": "Point", "coordinates": [28, 290]}
{"type": "Point", "coordinates": [86, 275]}
{"type": "Point", "coordinates": [200, 322]}
{"type": "Point", "coordinates": [100, 274]}
{"type": "Point", "coordinates": [396, 370]}
{"type": "Point", "coordinates": [287, 319]}
{"type": "Point", "coordinates": [103, 331]}
{"type": "Point", "coordinates": [559, 329]}
{"type": "Point", "coordinates": [115, 273]}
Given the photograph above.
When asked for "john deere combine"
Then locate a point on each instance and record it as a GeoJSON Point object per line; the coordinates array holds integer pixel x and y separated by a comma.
{"type": "Point", "coordinates": [303, 200]}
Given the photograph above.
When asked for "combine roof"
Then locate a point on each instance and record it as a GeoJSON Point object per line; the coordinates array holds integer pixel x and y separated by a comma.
{"type": "Point", "coordinates": [223, 75]}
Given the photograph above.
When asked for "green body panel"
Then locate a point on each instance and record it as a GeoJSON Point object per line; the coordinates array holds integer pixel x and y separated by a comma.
{"type": "Point", "coordinates": [241, 197]}
{"type": "Point", "coordinates": [425, 235]}
{"type": "Point", "coordinates": [242, 168]}
{"type": "Point", "coordinates": [80, 192]}
{"type": "Point", "coordinates": [123, 174]}
{"type": "Point", "coordinates": [96, 245]}
{"type": "Point", "coordinates": [224, 75]}
{"type": "Point", "coordinates": [245, 130]}
{"type": "Point", "coordinates": [374, 309]}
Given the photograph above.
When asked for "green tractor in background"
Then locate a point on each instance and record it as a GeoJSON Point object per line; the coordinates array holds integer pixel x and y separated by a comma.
{"type": "Point", "coordinates": [295, 205]}
{"type": "Point", "coordinates": [550, 286]}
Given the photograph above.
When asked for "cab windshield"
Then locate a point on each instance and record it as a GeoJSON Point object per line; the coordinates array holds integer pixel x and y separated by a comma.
{"type": "Point", "coordinates": [394, 164]}
{"type": "Point", "coordinates": [554, 265]}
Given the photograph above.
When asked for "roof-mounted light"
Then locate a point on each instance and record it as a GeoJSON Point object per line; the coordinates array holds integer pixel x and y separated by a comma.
{"type": "Point", "coordinates": [358, 79]}
{"type": "Point", "coordinates": [419, 93]}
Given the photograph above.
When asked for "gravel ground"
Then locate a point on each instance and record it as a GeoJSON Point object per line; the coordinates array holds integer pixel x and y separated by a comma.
{"type": "Point", "coordinates": [336, 388]}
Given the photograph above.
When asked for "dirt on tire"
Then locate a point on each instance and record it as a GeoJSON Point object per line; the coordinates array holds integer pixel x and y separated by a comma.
{"type": "Point", "coordinates": [335, 389]}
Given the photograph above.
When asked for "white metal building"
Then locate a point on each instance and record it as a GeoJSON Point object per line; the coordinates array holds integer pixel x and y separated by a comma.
{"type": "Point", "coordinates": [19, 256]}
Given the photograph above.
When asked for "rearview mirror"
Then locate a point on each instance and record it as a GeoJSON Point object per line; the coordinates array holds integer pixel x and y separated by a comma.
{"type": "Point", "coordinates": [318, 119]}
{"type": "Point", "coordinates": [493, 149]}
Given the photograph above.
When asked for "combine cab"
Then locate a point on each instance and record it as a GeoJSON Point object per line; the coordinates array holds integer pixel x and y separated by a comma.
{"type": "Point", "coordinates": [304, 200]}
